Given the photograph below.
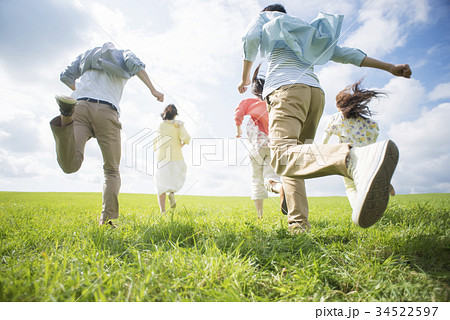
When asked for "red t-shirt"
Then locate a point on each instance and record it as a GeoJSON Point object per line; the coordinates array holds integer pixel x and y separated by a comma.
{"type": "Point", "coordinates": [257, 110]}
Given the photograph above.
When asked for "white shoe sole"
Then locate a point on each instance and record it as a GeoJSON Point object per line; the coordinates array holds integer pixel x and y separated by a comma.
{"type": "Point", "coordinates": [374, 196]}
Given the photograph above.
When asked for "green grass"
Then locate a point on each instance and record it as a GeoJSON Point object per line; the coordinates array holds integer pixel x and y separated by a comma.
{"type": "Point", "coordinates": [214, 249]}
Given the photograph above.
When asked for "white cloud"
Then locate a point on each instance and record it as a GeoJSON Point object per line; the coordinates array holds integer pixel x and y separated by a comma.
{"type": "Point", "coordinates": [403, 102]}
{"type": "Point", "coordinates": [442, 91]}
{"type": "Point", "coordinates": [424, 151]}
{"type": "Point", "coordinates": [385, 25]}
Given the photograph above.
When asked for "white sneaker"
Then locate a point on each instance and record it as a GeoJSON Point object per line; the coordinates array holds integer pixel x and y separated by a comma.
{"type": "Point", "coordinates": [172, 201]}
{"type": "Point", "coordinates": [371, 168]}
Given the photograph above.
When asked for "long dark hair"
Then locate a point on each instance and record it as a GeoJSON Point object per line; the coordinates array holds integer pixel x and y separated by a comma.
{"type": "Point", "coordinates": [169, 112]}
{"type": "Point", "coordinates": [257, 84]}
{"type": "Point", "coordinates": [275, 7]}
{"type": "Point", "coordinates": [353, 100]}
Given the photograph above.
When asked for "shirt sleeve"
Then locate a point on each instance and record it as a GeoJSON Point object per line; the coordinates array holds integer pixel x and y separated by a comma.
{"type": "Point", "coordinates": [156, 139]}
{"type": "Point", "coordinates": [72, 72]}
{"type": "Point", "coordinates": [184, 135]}
{"type": "Point", "coordinates": [326, 137]}
{"type": "Point", "coordinates": [252, 39]}
{"type": "Point", "coordinates": [348, 55]}
{"type": "Point", "coordinates": [134, 65]}
{"type": "Point", "coordinates": [329, 126]}
{"type": "Point", "coordinates": [376, 132]}
{"type": "Point", "coordinates": [240, 112]}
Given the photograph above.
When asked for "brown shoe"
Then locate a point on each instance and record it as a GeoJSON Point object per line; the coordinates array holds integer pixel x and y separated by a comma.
{"type": "Point", "coordinates": [298, 228]}
{"type": "Point", "coordinates": [391, 190]}
{"type": "Point", "coordinates": [66, 105]}
{"type": "Point", "coordinates": [111, 224]}
{"type": "Point", "coordinates": [283, 203]}
{"type": "Point", "coordinates": [106, 222]}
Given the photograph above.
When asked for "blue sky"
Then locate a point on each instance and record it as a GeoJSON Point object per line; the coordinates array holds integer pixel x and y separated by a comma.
{"type": "Point", "coordinates": [192, 50]}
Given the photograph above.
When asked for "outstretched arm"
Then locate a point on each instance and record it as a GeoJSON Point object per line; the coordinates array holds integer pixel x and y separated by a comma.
{"type": "Point", "coordinates": [326, 137]}
{"type": "Point", "coordinates": [142, 74]}
{"type": "Point", "coordinates": [246, 67]}
{"type": "Point", "coordinates": [238, 132]}
{"type": "Point", "coordinates": [398, 70]}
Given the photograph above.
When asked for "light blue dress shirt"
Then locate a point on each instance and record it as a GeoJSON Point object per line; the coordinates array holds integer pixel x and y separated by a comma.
{"type": "Point", "coordinates": [120, 63]}
{"type": "Point", "coordinates": [293, 47]}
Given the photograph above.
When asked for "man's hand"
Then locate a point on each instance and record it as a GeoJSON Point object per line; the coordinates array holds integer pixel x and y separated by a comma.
{"type": "Point", "coordinates": [158, 95]}
{"type": "Point", "coordinates": [401, 70]}
{"type": "Point", "coordinates": [242, 87]}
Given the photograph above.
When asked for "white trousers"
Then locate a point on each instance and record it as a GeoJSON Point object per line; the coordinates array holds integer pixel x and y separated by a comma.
{"type": "Point", "coordinates": [262, 173]}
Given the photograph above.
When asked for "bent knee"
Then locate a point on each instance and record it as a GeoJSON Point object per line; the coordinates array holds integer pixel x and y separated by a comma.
{"type": "Point", "coordinates": [69, 170]}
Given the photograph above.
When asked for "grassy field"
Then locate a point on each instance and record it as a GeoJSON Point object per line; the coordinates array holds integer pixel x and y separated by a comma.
{"type": "Point", "coordinates": [214, 249]}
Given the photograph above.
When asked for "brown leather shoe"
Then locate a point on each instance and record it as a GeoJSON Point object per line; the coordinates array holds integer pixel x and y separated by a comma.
{"type": "Point", "coordinates": [391, 190]}
{"type": "Point", "coordinates": [111, 224]}
{"type": "Point", "coordinates": [283, 203]}
{"type": "Point", "coordinates": [66, 105]}
{"type": "Point", "coordinates": [106, 222]}
{"type": "Point", "coordinates": [298, 228]}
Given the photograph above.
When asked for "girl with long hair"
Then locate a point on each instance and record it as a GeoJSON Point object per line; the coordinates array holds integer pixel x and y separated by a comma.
{"type": "Point", "coordinates": [352, 124]}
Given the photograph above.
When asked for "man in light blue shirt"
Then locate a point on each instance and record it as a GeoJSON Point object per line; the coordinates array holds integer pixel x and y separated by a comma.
{"type": "Point", "coordinates": [296, 101]}
{"type": "Point", "coordinates": [93, 111]}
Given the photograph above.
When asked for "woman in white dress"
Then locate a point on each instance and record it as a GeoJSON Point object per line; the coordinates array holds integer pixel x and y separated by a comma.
{"type": "Point", "coordinates": [171, 168]}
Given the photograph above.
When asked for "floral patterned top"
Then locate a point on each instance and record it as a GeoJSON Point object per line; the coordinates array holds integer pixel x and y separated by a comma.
{"type": "Point", "coordinates": [257, 138]}
{"type": "Point", "coordinates": [357, 131]}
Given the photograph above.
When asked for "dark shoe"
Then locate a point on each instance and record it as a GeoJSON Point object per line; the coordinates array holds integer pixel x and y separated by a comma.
{"type": "Point", "coordinates": [66, 105]}
{"type": "Point", "coordinates": [106, 222]}
{"type": "Point", "coordinates": [283, 203]}
{"type": "Point", "coordinates": [111, 224]}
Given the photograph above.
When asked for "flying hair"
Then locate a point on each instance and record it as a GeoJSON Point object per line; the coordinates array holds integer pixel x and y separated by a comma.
{"type": "Point", "coordinates": [353, 101]}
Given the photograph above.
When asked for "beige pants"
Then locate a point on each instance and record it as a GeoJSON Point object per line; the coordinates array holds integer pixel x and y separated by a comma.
{"type": "Point", "coordinates": [294, 114]}
{"type": "Point", "coordinates": [262, 172]}
{"type": "Point", "coordinates": [92, 120]}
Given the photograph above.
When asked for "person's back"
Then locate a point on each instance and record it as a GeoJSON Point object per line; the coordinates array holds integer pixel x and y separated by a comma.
{"type": "Point", "coordinates": [358, 131]}
{"type": "Point", "coordinates": [100, 85]}
{"type": "Point", "coordinates": [167, 145]}
{"type": "Point", "coordinates": [171, 168]}
{"type": "Point", "coordinates": [284, 67]}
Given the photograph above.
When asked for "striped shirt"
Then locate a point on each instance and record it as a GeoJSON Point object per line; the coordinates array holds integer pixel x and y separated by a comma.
{"type": "Point", "coordinates": [284, 67]}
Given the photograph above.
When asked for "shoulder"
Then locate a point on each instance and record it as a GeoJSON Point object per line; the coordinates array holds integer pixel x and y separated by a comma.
{"type": "Point", "coordinates": [249, 101]}
{"type": "Point", "coordinates": [173, 123]}
{"type": "Point", "coordinates": [178, 123]}
{"type": "Point", "coordinates": [244, 104]}
{"type": "Point", "coordinates": [337, 117]}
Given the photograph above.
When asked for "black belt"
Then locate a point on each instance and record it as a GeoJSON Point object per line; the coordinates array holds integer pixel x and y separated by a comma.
{"type": "Point", "coordinates": [98, 101]}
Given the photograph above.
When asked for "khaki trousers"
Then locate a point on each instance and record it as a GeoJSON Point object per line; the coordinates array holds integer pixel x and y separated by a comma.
{"type": "Point", "coordinates": [294, 114]}
{"type": "Point", "coordinates": [92, 120]}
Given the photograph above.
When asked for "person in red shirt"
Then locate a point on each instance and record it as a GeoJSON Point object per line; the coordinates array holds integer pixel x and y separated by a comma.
{"type": "Point", "coordinates": [263, 177]}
